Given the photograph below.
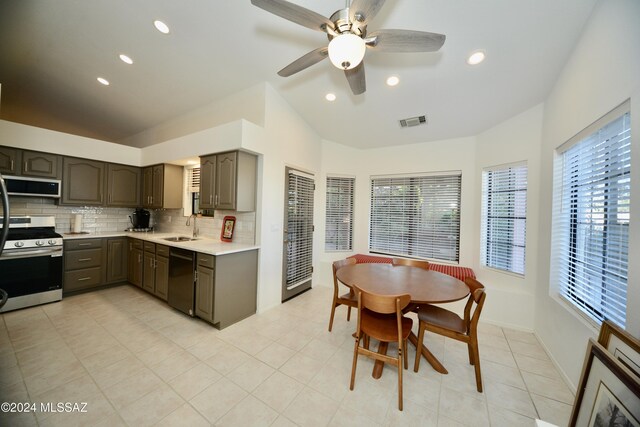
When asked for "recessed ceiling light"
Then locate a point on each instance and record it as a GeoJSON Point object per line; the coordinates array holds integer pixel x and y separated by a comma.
{"type": "Point", "coordinates": [126, 59]}
{"type": "Point", "coordinates": [103, 81]}
{"type": "Point", "coordinates": [161, 26]}
{"type": "Point", "coordinates": [330, 97]}
{"type": "Point", "coordinates": [393, 80]}
{"type": "Point", "coordinates": [475, 58]}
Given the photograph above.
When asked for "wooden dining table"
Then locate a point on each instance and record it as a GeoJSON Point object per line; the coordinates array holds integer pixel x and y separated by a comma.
{"type": "Point", "coordinates": [424, 286]}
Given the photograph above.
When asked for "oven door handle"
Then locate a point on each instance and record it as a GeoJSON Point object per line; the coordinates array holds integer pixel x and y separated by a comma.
{"type": "Point", "coordinates": [31, 253]}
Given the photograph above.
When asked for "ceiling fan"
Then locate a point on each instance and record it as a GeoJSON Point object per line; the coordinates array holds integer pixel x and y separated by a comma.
{"type": "Point", "coordinates": [348, 37]}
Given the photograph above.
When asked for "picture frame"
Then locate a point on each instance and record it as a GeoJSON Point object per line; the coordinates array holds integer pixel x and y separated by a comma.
{"type": "Point", "coordinates": [622, 345]}
{"type": "Point", "coordinates": [607, 390]}
{"type": "Point", "coordinates": [228, 225]}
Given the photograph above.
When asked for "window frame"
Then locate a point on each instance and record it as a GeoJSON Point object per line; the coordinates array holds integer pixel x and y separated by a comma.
{"type": "Point", "coordinates": [485, 226]}
{"type": "Point", "coordinates": [350, 212]}
{"type": "Point", "coordinates": [417, 214]}
{"type": "Point", "coordinates": [583, 307]}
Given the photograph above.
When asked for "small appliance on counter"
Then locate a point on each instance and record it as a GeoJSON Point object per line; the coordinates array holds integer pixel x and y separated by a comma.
{"type": "Point", "coordinates": [140, 220]}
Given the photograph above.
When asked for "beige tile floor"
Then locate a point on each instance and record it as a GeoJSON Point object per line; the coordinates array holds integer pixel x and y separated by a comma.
{"type": "Point", "coordinates": [137, 362]}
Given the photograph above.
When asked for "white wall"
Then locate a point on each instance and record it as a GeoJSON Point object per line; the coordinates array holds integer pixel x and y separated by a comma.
{"type": "Point", "coordinates": [38, 139]}
{"type": "Point", "coordinates": [287, 140]}
{"type": "Point", "coordinates": [510, 297]}
{"type": "Point", "coordinates": [602, 72]}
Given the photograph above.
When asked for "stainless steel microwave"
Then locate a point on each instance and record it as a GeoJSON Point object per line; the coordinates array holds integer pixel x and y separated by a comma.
{"type": "Point", "coordinates": [34, 187]}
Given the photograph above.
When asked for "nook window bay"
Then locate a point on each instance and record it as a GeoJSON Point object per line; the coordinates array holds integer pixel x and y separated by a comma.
{"type": "Point", "coordinates": [416, 216]}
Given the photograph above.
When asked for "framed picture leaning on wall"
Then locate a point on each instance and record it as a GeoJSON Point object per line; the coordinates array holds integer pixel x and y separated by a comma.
{"type": "Point", "coordinates": [608, 392]}
{"type": "Point", "coordinates": [622, 345]}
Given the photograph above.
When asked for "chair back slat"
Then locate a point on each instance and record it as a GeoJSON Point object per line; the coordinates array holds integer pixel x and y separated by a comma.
{"type": "Point", "coordinates": [411, 263]}
{"type": "Point", "coordinates": [384, 304]}
{"type": "Point", "coordinates": [478, 296]}
{"type": "Point", "coordinates": [337, 265]}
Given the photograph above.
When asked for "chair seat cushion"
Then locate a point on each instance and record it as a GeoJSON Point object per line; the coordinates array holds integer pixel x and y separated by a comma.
{"type": "Point", "coordinates": [438, 316]}
{"type": "Point", "coordinates": [384, 327]}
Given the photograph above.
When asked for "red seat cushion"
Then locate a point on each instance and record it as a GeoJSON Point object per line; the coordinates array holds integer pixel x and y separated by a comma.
{"type": "Point", "coordinates": [456, 271]}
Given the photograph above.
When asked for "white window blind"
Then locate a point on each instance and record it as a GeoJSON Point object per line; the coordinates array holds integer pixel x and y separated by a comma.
{"type": "Point", "coordinates": [416, 216]}
{"type": "Point", "coordinates": [193, 179]}
{"type": "Point", "coordinates": [299, 217]}
{"type": "Point", "coordinates": [339, 214]}
{"type": "Point", "coordinates": [591, 220]}
{"type": "Point", "coordinates": [504, 218]}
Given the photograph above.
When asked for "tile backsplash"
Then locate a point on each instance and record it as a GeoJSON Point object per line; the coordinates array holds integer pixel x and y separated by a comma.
{"type": "Point", "coordinates": [100, 219]}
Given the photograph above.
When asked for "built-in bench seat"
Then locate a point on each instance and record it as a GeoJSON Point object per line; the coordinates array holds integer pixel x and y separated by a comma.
{"type": "Point", "coordinates": [458, 272]}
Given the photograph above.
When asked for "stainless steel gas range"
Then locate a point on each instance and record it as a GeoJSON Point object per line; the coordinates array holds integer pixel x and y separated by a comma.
{"type": "Point", "coordinates": [31, 265]}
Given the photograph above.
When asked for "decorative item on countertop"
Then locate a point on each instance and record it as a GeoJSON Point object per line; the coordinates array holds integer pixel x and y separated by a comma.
{"type": "Point", "coordinates": [228, 224]}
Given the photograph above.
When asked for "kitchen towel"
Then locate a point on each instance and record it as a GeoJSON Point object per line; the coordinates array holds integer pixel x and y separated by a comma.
{"type": "Point", "coordinates": [77, 223]}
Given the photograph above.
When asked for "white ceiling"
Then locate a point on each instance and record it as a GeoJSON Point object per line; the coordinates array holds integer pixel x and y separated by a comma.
{"type": "Point", "coordinates": [52, 51]}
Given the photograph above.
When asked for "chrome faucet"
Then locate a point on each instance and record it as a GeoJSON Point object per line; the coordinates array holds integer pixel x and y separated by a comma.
{"type": "Point", "coordinates": [195, 229]}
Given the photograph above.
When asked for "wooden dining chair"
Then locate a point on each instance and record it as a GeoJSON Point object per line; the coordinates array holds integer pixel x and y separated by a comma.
{"type": "Point", "coordinates": [411, 263]}
{"type": "Point", "coordinates": [349, 299]}
{"type": "Point", "coordinates": [444, 322]}
{"type": "Point", "coordinates": [380, 317]}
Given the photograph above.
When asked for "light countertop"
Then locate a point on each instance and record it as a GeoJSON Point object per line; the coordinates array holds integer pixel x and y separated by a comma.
{"type": "Point", "coordinates": [202, 244]}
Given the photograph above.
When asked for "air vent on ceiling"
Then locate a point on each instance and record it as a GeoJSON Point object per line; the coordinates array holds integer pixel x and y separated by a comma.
{"type": "Point", "coordinates": [413, 121]}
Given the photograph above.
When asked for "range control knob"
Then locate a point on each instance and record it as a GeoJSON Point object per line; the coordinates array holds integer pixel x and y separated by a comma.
{"type": "Point", "coordinates": [52, 242]}
{"type": "Point", "coordinates": [39, 242]}
{"type": "Point", "coordinates": [18, 244]}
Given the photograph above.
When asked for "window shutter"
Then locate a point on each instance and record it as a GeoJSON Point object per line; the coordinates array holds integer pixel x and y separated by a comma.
{"type": "Point", "coordinates": [504, 218]}
{"type": "Point", "coordinates": [591, 220]}
{"type": "Point", "coordinates": [416, 216]}
{"type": "Point", "coordinates": [339, 214]}
{"type": "Point", "coordinates": [193, 180]}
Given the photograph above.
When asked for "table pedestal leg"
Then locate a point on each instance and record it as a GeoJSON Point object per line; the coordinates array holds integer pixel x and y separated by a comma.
{"type": "Point", "coordinates": [377, 367]}
{"type": "Point", "coordinates": [433, 361]}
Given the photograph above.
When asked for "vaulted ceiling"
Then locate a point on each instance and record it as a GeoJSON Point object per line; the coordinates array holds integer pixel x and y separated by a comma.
{"type": "Point", "coordinates": [51, 53]}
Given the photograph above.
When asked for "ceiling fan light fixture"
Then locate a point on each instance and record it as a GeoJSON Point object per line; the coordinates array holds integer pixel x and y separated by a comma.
{"type": "Point", "coordinates": [346, 51]}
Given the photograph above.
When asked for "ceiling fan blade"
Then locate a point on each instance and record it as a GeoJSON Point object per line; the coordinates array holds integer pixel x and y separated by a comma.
{"type": "Point", "coordinates": [304, 61]}
{"type": "Point", "coordinates": [356, 79]}
{"type": "Point", "coordinates": [294, 13]}
{"type": "Point", "coordinates": [405, 41]}
{"type": "Point", "coordinates": [362, 11]}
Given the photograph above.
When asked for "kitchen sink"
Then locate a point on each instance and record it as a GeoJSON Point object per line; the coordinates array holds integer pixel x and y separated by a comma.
{"type": "Point", "coordinates": [179, 239]}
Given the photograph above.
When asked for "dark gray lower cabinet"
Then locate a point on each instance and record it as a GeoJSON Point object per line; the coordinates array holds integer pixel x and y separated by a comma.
{"type": "Point", "coordinates": [117, 256]}
{"type": "Point", "coordinates": [162, 271]}
{"type": "Point", "coordinates": [226, 287]}
{"type": "Point", "coordinates": [90, 263]}
{"type": "Point", "coordinates": [134, 275]}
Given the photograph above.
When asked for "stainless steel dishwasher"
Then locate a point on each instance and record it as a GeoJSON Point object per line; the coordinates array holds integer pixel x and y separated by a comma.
{"type": "Point", "coordinates": [181, 291]}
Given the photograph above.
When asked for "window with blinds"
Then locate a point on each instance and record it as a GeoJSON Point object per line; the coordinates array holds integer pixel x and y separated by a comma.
{"type": "Point", "coordinates": [338, 234]}
{"type": "Point", "coordinates": [416, 216]}
{"type": "Point", "coordinates": [591, 218]}
{"type": "Point", "coordinates": [504, 218]}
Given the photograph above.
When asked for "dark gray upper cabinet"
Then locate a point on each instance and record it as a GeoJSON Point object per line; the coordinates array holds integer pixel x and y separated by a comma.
{"type": "Point", "coordinates": [123, 185]}
{"type": "Point", "coordinates": [82, 182]}
{"type": "Point", "coordinates": [207, 181]}
{"type": "Point", "coordinates": [228, 181]}
{"type": "Point", "coordinates": [10, 160]}
{"type": "Point", "coordinates": [162, 187]}
{"type": "Point", "coordinates": [42, 165]}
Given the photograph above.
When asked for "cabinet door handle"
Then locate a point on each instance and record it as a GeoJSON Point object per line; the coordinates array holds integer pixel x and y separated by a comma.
{"type": "Point", "coordinates": [217, 200]}
{"type": "Point", "coordinates": [82, 279]}
{"type": "Point", "coordinates": [139, 258]}
{"type": "Point", "coordinates": [11, 167]}
{"type": "Point", "coordinates": [84, 244]}
{"type": "Point", "coordinates": [26, 166]}
{"type": "Point", "coordinates": [84, 259]}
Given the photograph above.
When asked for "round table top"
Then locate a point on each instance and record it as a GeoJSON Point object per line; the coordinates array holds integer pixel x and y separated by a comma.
{"type": "Point", "coordinates": [424, 286]}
